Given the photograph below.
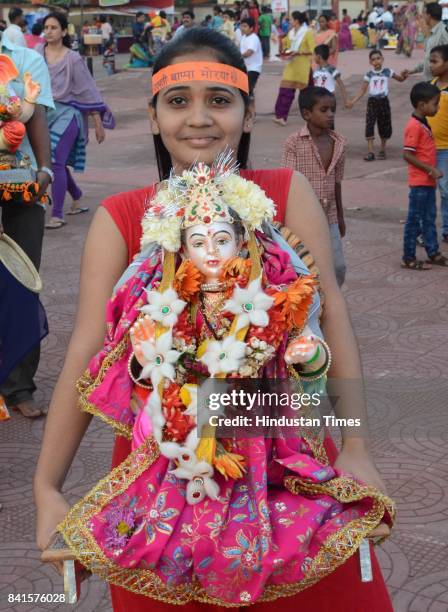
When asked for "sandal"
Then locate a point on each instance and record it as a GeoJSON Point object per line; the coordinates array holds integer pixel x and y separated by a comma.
{"type": "Point", "coordinates": [55, 224]}
{"type": "Point", "coordinates": [382, 155]}
{"type": "Point", "coordinates": [78, 210]}
{"type": "Point", "coordinates": [438, 260]}
{"type": "Point", "coordinates": [369, 157]}
{"type": "Point", "coordinates": [415, 264]}
{"type": "Point", "coordinates": [28, 409]}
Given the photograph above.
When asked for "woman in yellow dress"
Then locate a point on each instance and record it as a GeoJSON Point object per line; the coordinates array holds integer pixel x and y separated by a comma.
{"type": "Point", "coordinates": [296, 75]}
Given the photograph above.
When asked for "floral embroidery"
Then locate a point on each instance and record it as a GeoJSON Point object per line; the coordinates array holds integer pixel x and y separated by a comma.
{"type": "Point", "coordinates": [177, 569]}
{"type": "Point", "coordinates": [158, 517]}
{"type": "Point", "coordinates": [246, 555]}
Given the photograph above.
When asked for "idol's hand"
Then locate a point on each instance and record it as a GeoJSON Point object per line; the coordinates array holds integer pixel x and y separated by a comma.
{"type": "Point", "coordinates": [144, 329]}
{"type": "Point", "coordinates": [307, 351]}
{"type": "Point", "coordinates": [31, 89]}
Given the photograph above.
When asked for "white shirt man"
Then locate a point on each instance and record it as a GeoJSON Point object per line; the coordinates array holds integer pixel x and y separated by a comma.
{"type": "Point", "coordinates": [387, 18]}
{"type": "Point", "coordinates": [444, 5]}
{"type": "Point", "coordinates": [250, 47]}
{"type": "Point", "coordinates": [106, 31]}
{"type": "Point", "coordinates": [15, 35]}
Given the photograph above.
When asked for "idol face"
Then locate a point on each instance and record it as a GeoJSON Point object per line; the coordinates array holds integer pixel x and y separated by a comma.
{"type": "Point", "coordinates": [210, 246]}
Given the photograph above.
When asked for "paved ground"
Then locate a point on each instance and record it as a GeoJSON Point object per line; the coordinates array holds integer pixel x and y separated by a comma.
{"type": "Point", "coordinates": [400, 319]}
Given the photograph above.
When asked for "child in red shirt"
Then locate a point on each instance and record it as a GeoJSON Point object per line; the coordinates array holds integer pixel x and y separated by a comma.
{"type": "Point", "coordinates": [420, 153]}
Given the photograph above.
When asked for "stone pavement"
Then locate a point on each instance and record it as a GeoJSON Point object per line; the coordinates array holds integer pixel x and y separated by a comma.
{"type": "Point", "coordinates": [400, 318]}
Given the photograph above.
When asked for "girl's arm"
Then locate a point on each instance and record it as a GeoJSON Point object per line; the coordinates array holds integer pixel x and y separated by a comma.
{"type": "Point", "coordinates": [104, 259]}
{"type": "Point", "coordinates": [362, 90]}
{"type": "Point", "coordinates": [305, 217]}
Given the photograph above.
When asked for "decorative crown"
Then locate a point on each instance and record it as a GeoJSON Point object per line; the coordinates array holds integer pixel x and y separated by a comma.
{"type": "Point", "coordinates": [203, 195]}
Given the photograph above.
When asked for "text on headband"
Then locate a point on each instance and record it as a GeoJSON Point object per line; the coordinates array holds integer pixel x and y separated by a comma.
{"type": "Point", "coordinates": [187, 72]}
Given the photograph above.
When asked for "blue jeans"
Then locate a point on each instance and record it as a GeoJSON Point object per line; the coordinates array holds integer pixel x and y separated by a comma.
{"type": "Point", "coordinates": [421, 213]}
{"type": "Point", "coordinates": [442, 164]}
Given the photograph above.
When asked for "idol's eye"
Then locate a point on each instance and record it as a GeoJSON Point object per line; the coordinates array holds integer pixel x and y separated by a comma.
{"type": "Point", "coordinates": [222, 241]}
{"type": "Point", "coordinates": [197, 244]}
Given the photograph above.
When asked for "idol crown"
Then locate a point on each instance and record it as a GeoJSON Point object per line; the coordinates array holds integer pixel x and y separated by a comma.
{"type": "Point", "coordinates": [202, 195]}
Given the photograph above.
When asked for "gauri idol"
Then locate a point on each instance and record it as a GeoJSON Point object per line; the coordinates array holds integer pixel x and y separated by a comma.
{"type": "Point", "coordinates": [191, 516]}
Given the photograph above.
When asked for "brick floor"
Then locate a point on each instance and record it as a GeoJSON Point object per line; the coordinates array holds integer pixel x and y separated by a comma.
{"type": "Point", "coordinates": [400, 319]}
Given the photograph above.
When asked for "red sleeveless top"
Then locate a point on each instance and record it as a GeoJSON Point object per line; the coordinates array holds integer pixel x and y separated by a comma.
{"type": "Point", "coordinates": [127, 208]}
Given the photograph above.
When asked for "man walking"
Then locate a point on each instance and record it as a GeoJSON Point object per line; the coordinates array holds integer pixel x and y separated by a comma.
{"type": "Point", "coordinates": [265, 30]}
{"type": "Point", "coordinates": [438, 36]}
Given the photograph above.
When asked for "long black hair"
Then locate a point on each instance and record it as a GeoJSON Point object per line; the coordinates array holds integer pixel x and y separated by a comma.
{"type": "Point", "coordinates": [62, 20]}
{"type": "Point", "coordinates": [224, 51]}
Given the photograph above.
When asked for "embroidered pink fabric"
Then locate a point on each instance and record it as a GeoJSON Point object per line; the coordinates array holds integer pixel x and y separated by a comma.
{"type": "Point", "coordinates": [258, 533]}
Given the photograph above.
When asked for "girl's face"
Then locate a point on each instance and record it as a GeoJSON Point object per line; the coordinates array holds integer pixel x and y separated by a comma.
{"type": "Point", "coordinates": [210, 246]}
{"type": "Point", "coordinates": [437, 64]}
{"type": "Point", "coordinates": [197, 121]}
{"type": "Point", "coordinates": [52, 31]}
{"type": "Point", "coordinates": [323, 24]}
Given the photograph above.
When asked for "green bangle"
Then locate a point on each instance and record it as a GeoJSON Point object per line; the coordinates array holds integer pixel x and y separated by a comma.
{"type": "Point", "coordinates": [314, 358]}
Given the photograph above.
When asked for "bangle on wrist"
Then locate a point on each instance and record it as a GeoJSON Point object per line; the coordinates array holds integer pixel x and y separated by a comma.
{"type": "Point", "coordinates": [47, 171]}
{"type": "Point", "coordinates": [29, 101]}
{"type": "Point", "coordinates": [314, 358]}
{"type": "Point", "coordinates": [316, 375]}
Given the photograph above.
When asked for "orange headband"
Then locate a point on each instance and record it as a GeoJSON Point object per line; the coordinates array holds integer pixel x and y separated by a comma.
{"type": "Point", "coordinates": [199, 71]}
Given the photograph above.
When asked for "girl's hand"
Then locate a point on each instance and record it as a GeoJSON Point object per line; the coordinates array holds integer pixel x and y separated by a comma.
{"type": "Point", "coordinates": [358, 462]}
{"type": "Point", "coordinates": [51, 510]}
{"type": "Point", "coordinates": [99, 132]}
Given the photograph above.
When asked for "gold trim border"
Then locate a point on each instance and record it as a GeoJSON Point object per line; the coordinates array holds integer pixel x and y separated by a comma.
{"type": "Point", "coordinates": [336, 549]}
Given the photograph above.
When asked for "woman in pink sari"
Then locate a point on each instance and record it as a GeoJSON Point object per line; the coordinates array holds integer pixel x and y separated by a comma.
{"type": "Point", "coordinates": [327, 36]}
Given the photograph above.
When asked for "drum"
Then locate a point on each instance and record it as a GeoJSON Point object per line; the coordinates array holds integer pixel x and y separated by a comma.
{"type": "Point", "coordinates": [23, 322]}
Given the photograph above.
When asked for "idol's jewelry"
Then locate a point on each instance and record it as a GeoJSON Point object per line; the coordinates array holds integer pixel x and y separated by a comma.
{"type": "Point", "coordinates": [134, 371]}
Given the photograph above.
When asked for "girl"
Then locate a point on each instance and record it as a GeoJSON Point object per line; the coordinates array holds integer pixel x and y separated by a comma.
{"type": "Point", "coordinates": [296, 75]}
{"type": "Point", "coordinates": [190, 122]}
{"type": "Point", "coordinates": [76, 97]}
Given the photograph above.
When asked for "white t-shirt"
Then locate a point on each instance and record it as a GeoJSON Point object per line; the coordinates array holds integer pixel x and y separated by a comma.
{"type": "Point", "coordinates": [15, 35]}
{"type": "Point", "coordinates": [378, 81]}
{"type": "Point", "coordinates": [385, 17]}
{"type": "Point", "coordinates": [254, 63]}
{"type": "Point", "coordinates": [444, 9]}
{"type": "Point", "coordinates": [326, 77]}
{"type": "Point", "coordinates": [106, 30]}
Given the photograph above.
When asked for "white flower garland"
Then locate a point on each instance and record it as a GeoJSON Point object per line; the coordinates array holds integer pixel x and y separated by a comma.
{"type": "Point", "coordinates": [250, 306]}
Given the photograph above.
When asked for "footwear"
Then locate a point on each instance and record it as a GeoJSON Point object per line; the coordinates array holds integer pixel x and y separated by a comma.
{"type": "Point", "coordinates": [280, 121]}
{"type": "Point", "coordinates": [382, 155]}
{"type": "Point", "coordinates": [77, 210]}
{"type": "Point", "coordinates": [438, 260]}
{"type": "Point", "coordinates": [55, 223]}
{"type": "Point", "coordinates": [369, 157]}
{"type": "Point", "coordinates": [415, 264]}
{"type": "Point", "coordinates": [28, 409]}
